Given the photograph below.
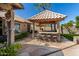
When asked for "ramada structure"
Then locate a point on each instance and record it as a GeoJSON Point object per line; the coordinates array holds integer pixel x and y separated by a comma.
{"type": "Point", "coordinates": [48, 17]}
{"type": "Point", "coordinates": [7, 18]}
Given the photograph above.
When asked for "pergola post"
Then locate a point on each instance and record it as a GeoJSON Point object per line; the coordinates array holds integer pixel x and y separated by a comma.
{"type": "Point", "coordinates": [55, 26]}
{"type": "Point", "coordinates": [33, 32]}
{"type": "Point", "coordinates": [51, 27]}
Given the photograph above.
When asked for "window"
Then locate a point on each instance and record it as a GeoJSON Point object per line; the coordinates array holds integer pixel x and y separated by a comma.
{"type": "Point", "coordinates": [17, 27]}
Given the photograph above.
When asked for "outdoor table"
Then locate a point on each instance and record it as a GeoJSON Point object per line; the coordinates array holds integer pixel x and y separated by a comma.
{"type": "Point", "coordinates": [49, 35]}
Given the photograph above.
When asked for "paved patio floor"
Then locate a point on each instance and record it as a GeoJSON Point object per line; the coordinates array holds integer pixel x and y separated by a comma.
{"type": "Point", "coordinates": [38, 48]}
{"type": "Point", "coordinates": [72, 51]}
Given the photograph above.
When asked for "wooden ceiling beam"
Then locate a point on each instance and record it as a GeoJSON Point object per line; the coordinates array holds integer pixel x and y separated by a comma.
{"type": "Point", "coordinates": [48, 21]}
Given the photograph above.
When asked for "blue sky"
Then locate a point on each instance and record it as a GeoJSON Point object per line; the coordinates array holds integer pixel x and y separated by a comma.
{"type": "Point", "coordinates": [69, 9]}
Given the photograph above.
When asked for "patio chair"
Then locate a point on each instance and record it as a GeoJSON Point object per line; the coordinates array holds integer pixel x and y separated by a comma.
{"type": "Point", "coordinates": [43, 37]}
{"type": "Point", "coordinates": [49, 38]}
{"type": "Point", "coordinates": [54, 38]}
{"type": "Point", "coordinates": [38, 37]}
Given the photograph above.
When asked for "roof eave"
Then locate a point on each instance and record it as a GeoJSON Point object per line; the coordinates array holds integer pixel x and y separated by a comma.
{"type": "Point", "coordinates": [17, 6]}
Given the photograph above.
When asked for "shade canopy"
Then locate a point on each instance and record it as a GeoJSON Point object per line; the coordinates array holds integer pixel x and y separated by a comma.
{"type": "Point", "coordinates": [9, 6]}
{"type": "Point", "coordinates": [6, 7]}
{"type": "Point", "coordinates": [47, 17]}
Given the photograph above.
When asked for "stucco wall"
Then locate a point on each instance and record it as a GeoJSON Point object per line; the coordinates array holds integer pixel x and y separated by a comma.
{"type": "Point", "coordinates": [23, 27]}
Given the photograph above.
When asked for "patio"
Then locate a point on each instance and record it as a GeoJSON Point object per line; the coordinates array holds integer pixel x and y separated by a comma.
{"type": "Point", "coordinates": [45, 42]}
{"type": "Point", "coordinates": [34, 47]}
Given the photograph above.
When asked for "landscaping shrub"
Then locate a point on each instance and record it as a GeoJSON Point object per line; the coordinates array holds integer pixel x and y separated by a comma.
{"type": "Point", "coordinates": [11, 50]}
{"type": "Point", "coordinates": [69, 36]}
{"type": "Point", "coordinates": [21, 36]}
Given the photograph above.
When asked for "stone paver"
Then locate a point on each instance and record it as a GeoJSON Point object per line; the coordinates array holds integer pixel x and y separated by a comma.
{"type": "Point", "coordinates": [33, 47]}
{"type": "Point", "coordinates": [59, 45]}
{"type": "Point", "coordinates": [34, 50]}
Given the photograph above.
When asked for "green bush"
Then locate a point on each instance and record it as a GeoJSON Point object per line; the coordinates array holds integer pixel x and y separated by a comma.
{"type": "Point", "coordinates": [69, 36]}
{"type": "Point", "coordinates": [21, 36]}
{"type": "Point", "coordinates": [77, 21]}
{"type": "Point", "coordinates": [11, 50]}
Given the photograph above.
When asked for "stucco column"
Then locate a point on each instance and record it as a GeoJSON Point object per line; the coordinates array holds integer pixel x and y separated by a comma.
{"type": "Point", "coordinates": [12, 27]}
{"type": "Point", "coordinates": [33, 31]}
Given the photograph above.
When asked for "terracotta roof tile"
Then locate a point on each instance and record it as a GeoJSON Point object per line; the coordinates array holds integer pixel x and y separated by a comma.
{"type": "Point", "coordinates": [47, 15]}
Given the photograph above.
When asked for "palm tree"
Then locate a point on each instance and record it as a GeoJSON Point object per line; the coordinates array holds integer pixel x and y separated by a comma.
{"type": "Point", "coordinates": [42, 6]}
{"type": "Point", "coordinates": [77, 22]}
{"type": "Point", "coordinates": [62, 27]}
{"type": "Point", "coordinates": [68, 26]}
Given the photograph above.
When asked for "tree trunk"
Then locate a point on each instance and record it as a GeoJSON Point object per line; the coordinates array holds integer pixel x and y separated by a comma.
{"type": "Point", "coordinates": [68, 30]}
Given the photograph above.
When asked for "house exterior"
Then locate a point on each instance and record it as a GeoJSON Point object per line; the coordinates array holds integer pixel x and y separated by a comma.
{"type": "Point", "coordinates": [22, 25]}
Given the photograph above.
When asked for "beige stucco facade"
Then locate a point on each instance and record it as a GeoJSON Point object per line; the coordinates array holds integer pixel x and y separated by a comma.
{"type": "Point", "coordinates": [24, 25]}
